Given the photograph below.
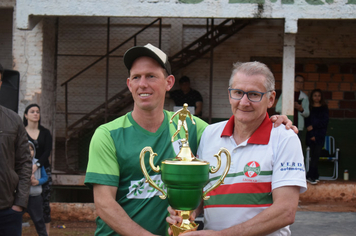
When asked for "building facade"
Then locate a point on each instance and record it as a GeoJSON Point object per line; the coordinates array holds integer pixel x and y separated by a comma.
{"type": "Point", "coordinates": [69, 55]}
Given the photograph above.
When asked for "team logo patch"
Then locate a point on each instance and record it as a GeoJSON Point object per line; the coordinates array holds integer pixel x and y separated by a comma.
{"type": "Point", "coordinates": [252, 169]}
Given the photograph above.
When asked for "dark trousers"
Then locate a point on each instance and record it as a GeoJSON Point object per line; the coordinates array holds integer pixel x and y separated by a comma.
{"type": "Point", "coordinates": [46, 196]}
{"type": "Point", "coordinates": [315, 151]}
{"type": "Point", "coordinates": [10, 222]}
{"type": "Point", "coordinates": [34, 208]}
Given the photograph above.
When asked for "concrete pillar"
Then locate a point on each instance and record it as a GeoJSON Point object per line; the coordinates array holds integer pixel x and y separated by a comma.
{"type": "Point", "coordinates": [27, 59]}
{"type": "Point", "coordinates": [288, 68]}
{"type": "Point", "coordinates": [34, 57]}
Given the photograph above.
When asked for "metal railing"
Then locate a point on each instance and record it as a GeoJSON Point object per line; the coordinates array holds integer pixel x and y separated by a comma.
{"type": "Point", "coordinates": [66, 83]}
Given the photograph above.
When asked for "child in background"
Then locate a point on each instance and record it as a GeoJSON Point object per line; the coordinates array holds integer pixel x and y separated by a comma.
{"type": "Point", "coordinates": [34, 207]}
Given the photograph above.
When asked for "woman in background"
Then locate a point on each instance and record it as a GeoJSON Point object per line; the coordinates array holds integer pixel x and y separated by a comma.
{"type": "Point", "coordinates": [42, 139]}
{"type": "Point", "coordinates": [317, 124]}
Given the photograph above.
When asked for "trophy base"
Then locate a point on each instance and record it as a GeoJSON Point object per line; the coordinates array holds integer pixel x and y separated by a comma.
{"type": "Point", "coordinates": [181, 230]}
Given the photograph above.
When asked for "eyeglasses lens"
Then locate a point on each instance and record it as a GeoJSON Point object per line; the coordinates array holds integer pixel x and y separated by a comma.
{"type": "Point", "coordinates": [252, 96]}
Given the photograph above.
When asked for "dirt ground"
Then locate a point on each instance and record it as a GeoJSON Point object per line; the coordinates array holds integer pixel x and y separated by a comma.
{"type": "Point", "coordinates": [88, 228]}
{"type": "Point", "coordinates": [71, 228]}
{"type": "Point", "coordinates": [327, 206]}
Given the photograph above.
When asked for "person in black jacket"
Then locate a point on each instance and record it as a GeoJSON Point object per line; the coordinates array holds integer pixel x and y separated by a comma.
{"type": "Point", "coordinates": [317, 124]}
{"type": "Point", "coordinates": [188, 95]}
{"type": "Point", "coordinates": [15, 171]}
{"type": "Point", "coordinates": [42, 138]}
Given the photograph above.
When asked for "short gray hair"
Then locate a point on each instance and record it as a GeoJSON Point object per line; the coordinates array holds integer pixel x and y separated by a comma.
{"type": "Point", "coordinates": [254, 68]}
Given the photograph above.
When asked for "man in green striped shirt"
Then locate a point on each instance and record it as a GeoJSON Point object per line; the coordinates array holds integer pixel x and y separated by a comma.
{"type": "Point", "coordinates": [126, 205]}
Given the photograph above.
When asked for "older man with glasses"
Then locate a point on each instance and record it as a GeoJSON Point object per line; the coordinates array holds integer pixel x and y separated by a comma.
{"type": "Point", "coordinates": [261, 191]}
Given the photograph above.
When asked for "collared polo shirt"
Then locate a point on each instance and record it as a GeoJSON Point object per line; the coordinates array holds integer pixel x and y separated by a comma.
{"type": "Point", "coordinates": [269, 159]}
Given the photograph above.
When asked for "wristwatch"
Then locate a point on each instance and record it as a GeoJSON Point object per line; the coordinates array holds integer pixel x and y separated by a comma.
{"type": "Point", "coordinates": [38, 164]}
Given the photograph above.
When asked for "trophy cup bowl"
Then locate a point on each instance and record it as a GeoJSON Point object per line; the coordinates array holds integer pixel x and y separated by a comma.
{"type": "Point", "coordinates": [184, 176]}
{"type": "Point", "coordinates": [185, 181]}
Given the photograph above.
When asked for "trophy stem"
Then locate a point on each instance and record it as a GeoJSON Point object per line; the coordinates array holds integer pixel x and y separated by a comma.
{"type": "Point", "coordinates": [186, 225]}
{"type": "Point", "coordinates": [185, 222]}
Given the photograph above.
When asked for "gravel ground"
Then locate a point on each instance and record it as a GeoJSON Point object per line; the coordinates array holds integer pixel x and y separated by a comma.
{"type": "Point", "coordinates": [71, 228]}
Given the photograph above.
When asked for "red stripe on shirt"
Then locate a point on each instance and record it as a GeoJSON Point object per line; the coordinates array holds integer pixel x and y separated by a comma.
{"type": "Point", "coordinates": [264, 187]}
{"type": "Point", "coordinates": [238, 205]}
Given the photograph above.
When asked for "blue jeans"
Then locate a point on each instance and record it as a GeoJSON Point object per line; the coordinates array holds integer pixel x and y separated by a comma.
{"type": "Point", "coordinates": [34, 209]}
{"type": "Point", "coordinates": [10, 222]}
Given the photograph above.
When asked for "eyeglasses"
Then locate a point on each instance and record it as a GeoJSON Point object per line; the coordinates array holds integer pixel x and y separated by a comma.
{"type": "Point", "coordinates": [253, 96]}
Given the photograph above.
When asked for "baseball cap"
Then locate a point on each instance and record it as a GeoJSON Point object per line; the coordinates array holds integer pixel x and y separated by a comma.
{"type": "Point", "coordinates": [149, 51]}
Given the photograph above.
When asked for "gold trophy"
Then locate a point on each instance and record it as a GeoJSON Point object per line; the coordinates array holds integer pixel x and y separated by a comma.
{"type": "Point", "coordinates": [185, 176]}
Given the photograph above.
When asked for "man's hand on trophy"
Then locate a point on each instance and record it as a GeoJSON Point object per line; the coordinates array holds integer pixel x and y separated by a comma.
{"type": "Point", "coordinates": [171, 121]}
{"type": "Point", "coordinates": [175, 219]}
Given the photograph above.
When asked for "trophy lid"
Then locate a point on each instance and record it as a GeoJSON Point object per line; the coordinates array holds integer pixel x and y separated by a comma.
{"type": "Point", "coordinates": [177, 162]}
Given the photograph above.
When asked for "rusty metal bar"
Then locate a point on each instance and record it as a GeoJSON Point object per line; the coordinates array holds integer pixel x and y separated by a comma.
{"type": "Point", "coordinates": [66, 106]}
{"type": "Point", "coordinates": [211, 71]}
{"type": "Point", "coordinates": [55, 86]}
{"type": "Point", "coordinates": [87, 115]}
{"type": "Point", "coordinates": [107, 70]}
{"type": "Point", "coordinates": [160, 33]}
{"type": "Point", "coordinates": [111, 51]}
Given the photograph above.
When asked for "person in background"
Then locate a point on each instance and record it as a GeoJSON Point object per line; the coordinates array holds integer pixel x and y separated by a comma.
{"type": "Point", "coordinates": [187, 95]}
{"type": "Point", "coordinates": [301, 104]}
{"type": "Point", "coordinates": [42, 139]}
{"type": "Point", "coordinates": [125, 203]}
{"type": "Point", "coordinates": [15, 171]}
{"type": "Point", "coordinates": [317, 124]}
{"type": "Point", "coordinates": [261, 190]}
{"type": "Point", "coordinates": [35, 202]}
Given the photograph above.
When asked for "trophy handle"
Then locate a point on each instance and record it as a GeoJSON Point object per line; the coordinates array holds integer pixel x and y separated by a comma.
{"type": "Point", "coordinates": [214, 170]}
{"type": "Point", "coordinates": [154, 168]}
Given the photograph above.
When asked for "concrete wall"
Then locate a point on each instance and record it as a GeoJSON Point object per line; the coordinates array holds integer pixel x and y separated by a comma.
{"type": "Point", "coordinates": [7, 3]}
{"type": "Point", "coordinates": [32, 53]}
{"type": "Point", "coordinates": [285, 9]}
{"type": "Point", "coordinates": [33, 56]}
{"type": "Point", "coordinates": [262, 39]}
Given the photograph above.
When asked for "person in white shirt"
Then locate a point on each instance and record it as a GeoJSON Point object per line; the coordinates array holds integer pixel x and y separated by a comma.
{"type": "Point", "coordinates": [261, 191]}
